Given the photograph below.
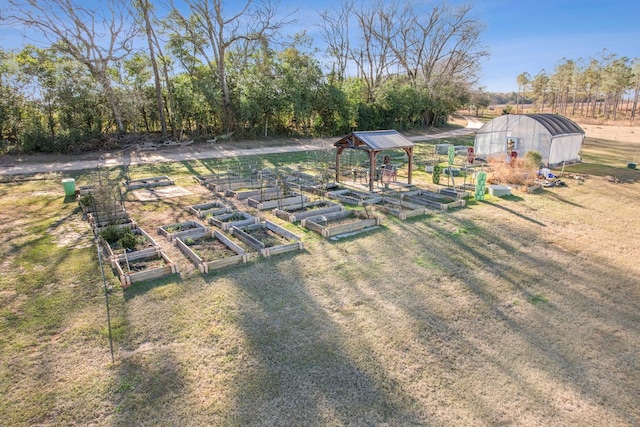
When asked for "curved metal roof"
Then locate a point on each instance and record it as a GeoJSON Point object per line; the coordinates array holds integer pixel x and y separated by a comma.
{"type": "Point", "coordinates": [556, 124]}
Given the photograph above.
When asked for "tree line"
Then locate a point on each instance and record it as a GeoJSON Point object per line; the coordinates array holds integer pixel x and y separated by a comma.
{"type": "Point", "coordinates": [604, 87]}
{"type": "Point", "coordinates": [200, 68]}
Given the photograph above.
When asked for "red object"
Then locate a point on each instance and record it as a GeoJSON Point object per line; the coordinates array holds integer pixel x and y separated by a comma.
{"type": "Point", "coordinates": [512, 157]}
{"type": "Point", "coordinates": [470, 155]}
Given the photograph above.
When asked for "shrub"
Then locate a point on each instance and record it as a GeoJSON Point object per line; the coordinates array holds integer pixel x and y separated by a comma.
{"type": "Point", "coordinates": [533, 159]}
{"type": "Point", "coordinates": [111, 234]}
{"type": "Point", "coordinates": [128, 240]}
{"type": "Point", "coordinates": [86, 200]}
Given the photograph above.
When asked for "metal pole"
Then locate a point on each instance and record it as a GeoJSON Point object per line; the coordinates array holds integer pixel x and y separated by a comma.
{"type": "Point", "coordinates": [106, 298]}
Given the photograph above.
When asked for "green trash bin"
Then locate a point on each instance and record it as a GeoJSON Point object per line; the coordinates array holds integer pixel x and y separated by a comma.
{"type": "Point", "coordinates": [69, 185]}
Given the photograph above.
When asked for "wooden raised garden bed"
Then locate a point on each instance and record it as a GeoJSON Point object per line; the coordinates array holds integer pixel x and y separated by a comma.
{"type": "Point", "coordinates": [232, 219]}
{"type": "Point", "coordinates": [433, 200]}
{"type": "Point", "coordinates": [120, 241]}
{"type": "Point", "coordinates": [295, 213]}
{"type": "Point", "coordinates": [209, 209]}
{"type": "Point", "coordinates": [102, 220]}
{"type": "Point", "coordinates": [400, 208]}
{"type": "Point", "coordinates": [343, 222]}
{"type": "Point", "coordinates": [125, 223]}
{"type": "Point", "coordinates": [458, 193]}
{"type": "Point", "coordinates": [206, 179]}
{"type": "Point", "coordinates": [154, 181]}
{"type": "Point", "coordinates": [223, 185]}
{"type": "Point", "coordinates": [268, 238]}
{"type": "Point", "coordinates": [181, 229]}
{"type": "Point", "coordinates": [243, 194]}
{"type": "Point", "coordinates": [353, 197]}
{"type": "Point", "coordinates": [211, 251]}
{"type": "Point", "coordinates": [271, 202]}
{"type": "Point", "coordinates": [139, 267]}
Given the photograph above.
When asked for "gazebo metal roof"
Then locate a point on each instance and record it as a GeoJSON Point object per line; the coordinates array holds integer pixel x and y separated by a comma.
{"type": "Point", "coordinates": [378, 140]}
{"type": "Point", "coordinates": [373, 142]}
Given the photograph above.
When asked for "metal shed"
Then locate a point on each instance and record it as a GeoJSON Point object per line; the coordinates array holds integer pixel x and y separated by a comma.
{"type": "Point", "coordinates": [373, 142]}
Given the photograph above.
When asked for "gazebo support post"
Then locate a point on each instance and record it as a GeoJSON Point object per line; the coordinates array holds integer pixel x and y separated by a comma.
{"type": "Point", "coordinates": [338, 152]}
{"type": "Point", "coordinates": [410, 165]}
{"type": "Point", "coordinates": [372, 168]}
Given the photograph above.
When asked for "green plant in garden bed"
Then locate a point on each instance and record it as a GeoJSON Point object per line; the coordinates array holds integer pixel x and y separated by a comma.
{"type": "Point", "coordinates": [121, 238]}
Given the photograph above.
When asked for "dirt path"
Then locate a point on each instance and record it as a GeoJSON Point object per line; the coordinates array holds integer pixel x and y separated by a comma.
{"type": "Point", "coordinates": [30, 165]}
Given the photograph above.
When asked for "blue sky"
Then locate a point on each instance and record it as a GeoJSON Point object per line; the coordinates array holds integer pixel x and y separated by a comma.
{"type": "Point", "coordinates": [521, 35]}
{"type": "Point", "coordinates": [530, 35]}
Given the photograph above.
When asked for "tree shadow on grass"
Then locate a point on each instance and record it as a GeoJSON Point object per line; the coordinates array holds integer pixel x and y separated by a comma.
{"type": "Point", "coordinates": [565, 345]}
{"type": "Point", "coordinates": [302, 368]}
{"type": "Point", "coordinates": [518, 214]}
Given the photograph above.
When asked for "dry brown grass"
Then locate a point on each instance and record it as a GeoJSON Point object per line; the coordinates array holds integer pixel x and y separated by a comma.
{"type": "Point", "coordinates": [515, 311]}
{"type": "Point", "coordinates": [515, 172]}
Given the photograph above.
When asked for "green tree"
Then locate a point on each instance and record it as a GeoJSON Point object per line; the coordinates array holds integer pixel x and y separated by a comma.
{"type": "Point", "coordinates": [524, 80]}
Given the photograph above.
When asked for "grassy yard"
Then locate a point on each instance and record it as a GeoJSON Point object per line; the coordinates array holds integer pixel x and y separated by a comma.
{"type": "Point", "coordinates": [513, 311]}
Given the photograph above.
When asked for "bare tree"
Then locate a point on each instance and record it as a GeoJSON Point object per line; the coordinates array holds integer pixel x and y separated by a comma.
{"type": "Point", "coordinates": [213, 33]}
{"type": "Point", "coordinates": [335, 33]}
{"type": "Point", "coordinates": [434, 47]}
{"type": "Point", "coordinates": [373, 57]}
{"type": "Point", "coordinates": [96, 38]}
{"type": "Point", "coordinates": [145, 9]}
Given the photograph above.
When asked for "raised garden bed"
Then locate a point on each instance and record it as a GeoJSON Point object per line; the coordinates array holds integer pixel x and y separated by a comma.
{"type": "Point", "coordinates": [154, 181]}
{"type": "Point", "coordinates": [458, 193]}
{"type": "Point", "coordinates": [295, 213]}
{"type": "Point", "coordinates": [243, 194]}
{"type": "Point", "coordinates": [236, 218]}
{"type": "Point", "coordinates": [211, 251]}
{"type": "Point", "coordinates": [272, 201]}
{"type": "Point", "coordinates": [85, 189]}
{"type": "Point", "coordinates": [125, 223]}
{"type": "Point", "coordinates": [206, 179]}
{"type": "Point", "coordinates": [205, 210]}
{"type": "Point", "coordinates": [119, 241]}
{"type": "Point", "coordinates": [181, 229]}
{"type": "Point", "coordinates": [400, 208]}
{"type": "Point", "coordinates": [268, 238]}
{"type": "Point", "coordinates": [102, 220]}
{"type": "Point", "coordinates": [433, 200]}
{"type": "Point", "coordinates": [139, 267]}
{"type": "Point", "coordinates": [222, 185]}
{"type": "Point", "coordinates": [353, 197]}
{"type": "Point", "coordinates": [336, 223]}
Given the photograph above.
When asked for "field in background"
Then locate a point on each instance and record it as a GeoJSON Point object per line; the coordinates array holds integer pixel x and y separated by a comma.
{"type": "Point", "coordinates": [521, 311]}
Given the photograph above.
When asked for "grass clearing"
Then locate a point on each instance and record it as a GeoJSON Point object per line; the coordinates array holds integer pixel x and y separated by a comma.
{"type": "Point", "coordinates": [520, 311]}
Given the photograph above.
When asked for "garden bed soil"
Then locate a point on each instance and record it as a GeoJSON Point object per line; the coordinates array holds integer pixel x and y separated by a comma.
{"type": "Point", "coordinates": [262, 193]}
{"type": "Point", "coordinates": [400, 208]}
{"type": "Point", "coordinates": [295, 213]}
{"type": "Point", "coordinates": [434, 200]}
{"type": "Point", "coordinates": [138, 267]}
{"type": "Point", "coordinates": [181, 229]}
{"type": "Point", "coordinates": [274, 202]}
{"type": "Point", "coordinates": [211, 251]}
{"type": "Point", "coordinates": [236, 218]}
{"type": "Point", "coordinates": [353, 197]}
{"type": "Point", "coordinates": [208, 209]}
{"type": "Point", "coordinates": [336, 223]}
{"type": "Point", "coordinates": [268, 238]}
